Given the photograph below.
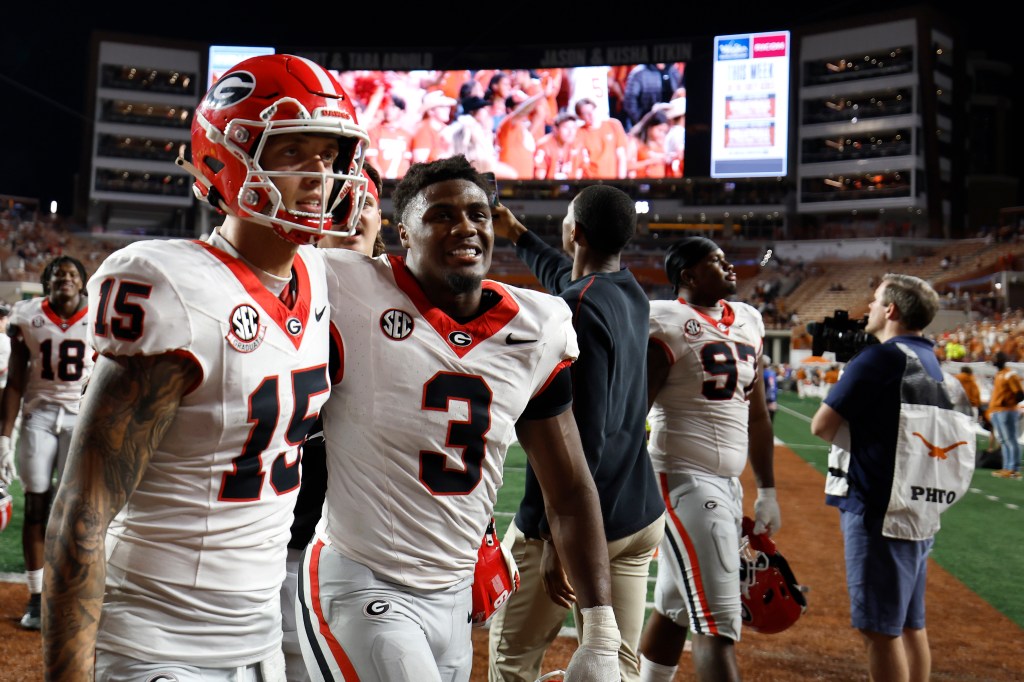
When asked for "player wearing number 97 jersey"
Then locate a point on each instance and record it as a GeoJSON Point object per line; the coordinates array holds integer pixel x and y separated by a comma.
{"type": "Point", "coordinates": [714, 367]}
{"type": "Point", "coordinates": [709, 415]}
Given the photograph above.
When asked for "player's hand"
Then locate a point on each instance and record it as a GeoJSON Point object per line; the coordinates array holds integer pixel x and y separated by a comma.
{"type": "Point", "coordinates": [505, 224]}
{"type": "Point", "coordinates": [7, 471]}
{"type": "Point", "coordinates": [555, 581]}
{"type": "Point", "coordinates": [597, 658]}
{"type": "Point", "coordinates": [767, 517]}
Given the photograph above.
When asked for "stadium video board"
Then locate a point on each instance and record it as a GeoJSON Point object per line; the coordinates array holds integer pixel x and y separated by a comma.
{"type": "Point", "coordinates": [750, 105]}
{"type": "Point", "coordinates": [223, 57]}
{"type": "Point", "coordinates": [525, 124]}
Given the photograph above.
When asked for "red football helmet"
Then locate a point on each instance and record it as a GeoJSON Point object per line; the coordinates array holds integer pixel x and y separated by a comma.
{"type": "Point", "coordinates": [495, 579]}
{"type": "Point", "coordinates": [6, 507]}
{"type": "Point", "coordinates": [771, 597]}
{"type": "Point", "coordinates": [275, 95]}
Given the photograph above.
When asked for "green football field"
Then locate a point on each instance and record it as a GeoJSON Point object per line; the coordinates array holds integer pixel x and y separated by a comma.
{"type": "Point", "coordinates": [979, 542]}
{"type": "Point", "coordinates": [980, 538]}
{"type": "Point", "coordinates": [981, 534]}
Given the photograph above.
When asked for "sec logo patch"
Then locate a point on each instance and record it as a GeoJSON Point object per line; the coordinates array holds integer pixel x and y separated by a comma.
{"type": "Point", "coordinates": [692, 329]}
{"type": "Point", "coordinates": [245, 333]}
{"type": "Point", "coordinates": [396, 324]}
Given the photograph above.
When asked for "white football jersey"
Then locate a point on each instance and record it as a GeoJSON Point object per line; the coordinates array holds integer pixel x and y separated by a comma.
{"type": "Point", "coordinates": [197, 556]}
{"type": "Point", "coordinates": [418, 427]}
{"type": "Point", "coordinates": [60, 360]}
{"type": "Point", "coordinates": [699, 419]}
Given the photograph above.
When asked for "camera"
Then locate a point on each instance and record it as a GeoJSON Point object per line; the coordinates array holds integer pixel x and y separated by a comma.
{"type": "Point", "coordinates": [840, 335]}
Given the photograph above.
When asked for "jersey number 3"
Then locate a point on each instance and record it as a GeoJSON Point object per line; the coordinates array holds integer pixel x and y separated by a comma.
{"type": "Point", "coordinates": [466, 435]}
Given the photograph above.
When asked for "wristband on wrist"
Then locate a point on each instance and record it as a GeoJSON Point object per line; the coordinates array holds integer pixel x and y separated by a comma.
{"type": "Point", "coordinates": [600, 631]}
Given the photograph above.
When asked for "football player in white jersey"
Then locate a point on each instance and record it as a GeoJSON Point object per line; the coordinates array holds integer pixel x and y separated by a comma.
{"type": "Point", "coordinates": [5, 342]}
{"type": "Point", "coordinates": [439, 369]}
{"type": "Point", "coordinates": [213, 366]}
{"type": "Point", "coordinates": [368, 241]}
{"type": "Point", "coordinates": [49, 366]}
{"type": "Point", "coordinates": [709, 415]}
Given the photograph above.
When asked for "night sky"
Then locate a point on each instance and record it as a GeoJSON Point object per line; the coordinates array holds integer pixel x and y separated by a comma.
{"type": "Point", "coordinates": [44, 57]}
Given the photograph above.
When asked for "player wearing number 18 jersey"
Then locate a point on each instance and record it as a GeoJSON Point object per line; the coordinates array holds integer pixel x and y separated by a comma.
{"type": "Point", "coordinates": [50, 365]}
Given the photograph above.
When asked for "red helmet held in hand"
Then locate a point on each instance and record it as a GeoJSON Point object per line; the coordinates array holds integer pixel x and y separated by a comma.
{"type": "Point", "coordinates": [495, 579]}
{"type": "Point", "coordinates": [772, 600]}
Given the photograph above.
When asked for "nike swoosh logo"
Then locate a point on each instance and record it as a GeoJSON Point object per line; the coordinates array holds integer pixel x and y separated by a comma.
{"type": "Point", "coordinates": [320, 313]}
{"type": "Point", "coordinates": [512, 341]}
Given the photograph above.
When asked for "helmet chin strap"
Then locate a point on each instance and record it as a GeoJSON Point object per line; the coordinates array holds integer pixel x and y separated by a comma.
{"type": "Point", "coordinates": [194, 172]}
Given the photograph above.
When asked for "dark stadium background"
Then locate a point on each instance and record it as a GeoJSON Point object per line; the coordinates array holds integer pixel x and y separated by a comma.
{"type": "Point", "coordinates": [44, 50]}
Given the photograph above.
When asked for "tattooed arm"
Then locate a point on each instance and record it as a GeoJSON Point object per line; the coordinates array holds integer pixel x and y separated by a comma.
{"type": "Point", "coordinates": [125, 413]}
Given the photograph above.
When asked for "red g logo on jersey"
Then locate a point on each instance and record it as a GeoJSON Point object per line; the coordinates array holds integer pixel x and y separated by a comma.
{"type": "Point", "coordinates": [460, 339]}
{"type": "Point", "coordinates": [245, 333]}
{"type": "Point", "coordinates": [691, 328]}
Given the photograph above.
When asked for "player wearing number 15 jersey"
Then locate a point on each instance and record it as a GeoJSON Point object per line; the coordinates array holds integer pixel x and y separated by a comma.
{"type": "Point", "coordinates": [50, 364]}
{"type": "Point", "coordinates": [439, 370]}
{"type": "Point", "coordinates": [213, 367]}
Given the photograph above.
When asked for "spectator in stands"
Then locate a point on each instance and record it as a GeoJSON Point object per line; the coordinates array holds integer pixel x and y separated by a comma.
{"type": "Point", "coordinates": [498, 90]}
{"type": "Point", "coordinates": [428, 144]}
{"type": "Point", "coordinates": [605, 142]}
{"type": "Point", "coordinates": [675, 140]}
{"type": "Point", "coordinates": [647, 146]}
{"type": "Point", "coordinates": [559, 156]}
{"type": "Point", "coordinates": [472, 135]}
{"type": "Point", "coordinates": [646, 85]}
{"type": "Point", "coordinates": [515, 138]}
{"type": "Point", "coordinates": [1007, 393]}
{"type": "Point", "coordinates": [389, 142]}
{"type": "Point", "coordinates": [955, 351]}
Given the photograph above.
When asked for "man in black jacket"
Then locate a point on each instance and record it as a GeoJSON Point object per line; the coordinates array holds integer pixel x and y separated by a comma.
{"type": "Point", "coordinates": [610, 315]}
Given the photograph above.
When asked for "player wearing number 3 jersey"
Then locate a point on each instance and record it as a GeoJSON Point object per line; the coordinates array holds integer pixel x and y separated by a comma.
{"type": "Point", "coordinates": [439, 370]}
{"type": "Point", "coordinates": [213, 367]}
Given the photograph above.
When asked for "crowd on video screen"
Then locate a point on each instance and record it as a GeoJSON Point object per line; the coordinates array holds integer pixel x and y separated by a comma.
{"type": "Point", "coordinates": [600, 122]}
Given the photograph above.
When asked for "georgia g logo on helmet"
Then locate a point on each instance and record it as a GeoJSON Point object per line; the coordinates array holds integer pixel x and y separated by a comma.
{"type": "Point", "coordinates": [231, 89]}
